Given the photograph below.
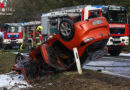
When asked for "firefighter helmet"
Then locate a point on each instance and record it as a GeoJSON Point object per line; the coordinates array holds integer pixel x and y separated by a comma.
{"type": "Point", "coordinates": [39, 28]}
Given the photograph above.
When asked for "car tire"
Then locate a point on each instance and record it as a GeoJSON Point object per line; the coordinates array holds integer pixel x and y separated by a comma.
{"type": "Point", "coordinates": [19, 58]}
{"type": "Point", "coordinates": [66, 29]}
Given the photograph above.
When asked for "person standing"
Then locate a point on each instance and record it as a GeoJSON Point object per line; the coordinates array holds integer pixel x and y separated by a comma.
{"type": "Point", "coordinates": [38, 36]}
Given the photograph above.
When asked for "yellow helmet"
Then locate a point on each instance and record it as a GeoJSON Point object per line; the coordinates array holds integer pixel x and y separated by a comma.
{"type": "Point", "coordinates": [39, 28]}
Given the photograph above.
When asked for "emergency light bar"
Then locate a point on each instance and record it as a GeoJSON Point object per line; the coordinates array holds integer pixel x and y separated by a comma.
{"type": "Point", "coordinates": [31, 23]}
{"type": "Point", "coordinates": [112, 7]}
{"type": "Point", "coordinates": [13, 24]}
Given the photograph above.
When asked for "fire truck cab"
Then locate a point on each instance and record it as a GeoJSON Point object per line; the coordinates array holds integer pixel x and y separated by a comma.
{"type": "Point", "coordinates": [13, 35]}
{"type": "Point", "coordinates": [117, 18]}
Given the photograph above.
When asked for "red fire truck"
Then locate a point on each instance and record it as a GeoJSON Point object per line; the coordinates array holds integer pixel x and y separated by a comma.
{"type": "Point", "coordinates": [117, 18]}
{"type": "Point", "coordinates": [13, 35]}
{"type": "Point", "coordinates": [118, 21]}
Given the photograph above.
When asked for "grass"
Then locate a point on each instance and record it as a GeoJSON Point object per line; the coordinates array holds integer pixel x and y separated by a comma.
{"type": "Point", "coordinates": [6, 61]}
{"type": "Point", "coordinates": [89, 80]}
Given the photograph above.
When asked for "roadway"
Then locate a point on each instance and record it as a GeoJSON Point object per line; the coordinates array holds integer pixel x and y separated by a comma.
{"type": "Point", "coordinates": [118, 65]}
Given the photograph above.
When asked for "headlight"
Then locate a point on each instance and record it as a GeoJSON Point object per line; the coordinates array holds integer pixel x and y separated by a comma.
{"type": "Point", "coordinates": [6, 41]}
{"type": "Point", "coordinates": [19, 40]}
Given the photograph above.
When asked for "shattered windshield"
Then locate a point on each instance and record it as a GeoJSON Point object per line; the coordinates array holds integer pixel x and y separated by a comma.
{"type": "Point", "coordinates": [12, 29]}
{"type": "Point", "coordinates": [117, 17]}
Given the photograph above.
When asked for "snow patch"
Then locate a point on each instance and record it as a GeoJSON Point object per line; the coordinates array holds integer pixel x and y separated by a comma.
{"type": "Point", "coordinates": [124, 54]}
{"type": "Point", "coordinates": [100, 63]}
{"type": "Point", "coordinates": [13, 81]}
{"type": "Point", "coordinates": [111, 65]}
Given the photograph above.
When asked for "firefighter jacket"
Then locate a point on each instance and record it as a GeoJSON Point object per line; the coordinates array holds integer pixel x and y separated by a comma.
{"type": "Point", "coordinates": [39, 38]}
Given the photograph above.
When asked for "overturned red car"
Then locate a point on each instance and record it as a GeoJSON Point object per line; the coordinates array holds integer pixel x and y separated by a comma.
{"type": "Point", "coordinates": [56, 53]}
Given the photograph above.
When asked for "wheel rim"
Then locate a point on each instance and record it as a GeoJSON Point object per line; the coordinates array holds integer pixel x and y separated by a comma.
{"type": "Point", "coordinates": [65, 29]}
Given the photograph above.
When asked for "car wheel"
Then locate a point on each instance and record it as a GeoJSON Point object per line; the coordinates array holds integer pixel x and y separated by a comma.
{"type": "Point", "coordinates": [18, 58]}
{"type": "Point", "coordinates": [66, 29]}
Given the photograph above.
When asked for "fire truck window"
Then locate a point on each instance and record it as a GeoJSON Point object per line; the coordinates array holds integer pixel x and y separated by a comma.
{"type": "Point", "coordinates": [117, 17]}
{"type": "Point", "coordinates": [94, 14]}
{"type": "Point", "coordinates": [53, 27]}
{"type": "Point", "coordinates": [13, 29]}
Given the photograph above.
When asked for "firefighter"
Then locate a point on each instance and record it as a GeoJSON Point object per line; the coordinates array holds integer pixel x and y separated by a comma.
{"type": "Point", "coordinates": [21, 47]}
{"type": "Point", "coordinates": [24, 43]}
{"type": "Point", "coordinates": [38, 35]}
{"type": "Point", "coordinates": [38, 38]}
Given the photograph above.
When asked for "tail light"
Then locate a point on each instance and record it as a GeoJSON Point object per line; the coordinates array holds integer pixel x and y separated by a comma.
{"type": "Point", "coordinates": [87, 41]}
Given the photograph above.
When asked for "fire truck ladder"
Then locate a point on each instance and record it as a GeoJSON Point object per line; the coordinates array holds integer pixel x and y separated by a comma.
{"type": "Point", "coordinates": [66, 10]}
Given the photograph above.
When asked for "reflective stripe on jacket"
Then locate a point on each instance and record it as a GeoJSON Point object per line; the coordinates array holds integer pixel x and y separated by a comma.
{"type": "Point", "coordinates": [39, 38]}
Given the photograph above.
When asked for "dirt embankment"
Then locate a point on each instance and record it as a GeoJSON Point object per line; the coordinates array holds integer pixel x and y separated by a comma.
{"type": "Point", "coordinates": [90, 80]}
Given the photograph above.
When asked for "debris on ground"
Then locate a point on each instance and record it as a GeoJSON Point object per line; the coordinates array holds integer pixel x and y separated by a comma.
{"type": "Point", "coordinates": [13, 81]}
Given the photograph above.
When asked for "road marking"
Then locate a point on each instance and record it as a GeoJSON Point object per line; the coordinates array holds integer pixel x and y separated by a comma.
{"type": "Point", "coordinates": [118, 58]}
{"type": "Point", "coordinates": [115, 74]}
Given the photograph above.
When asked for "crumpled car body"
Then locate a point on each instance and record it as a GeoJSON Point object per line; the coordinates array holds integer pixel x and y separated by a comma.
{"type": "Point", "coordinates": [56, 54]}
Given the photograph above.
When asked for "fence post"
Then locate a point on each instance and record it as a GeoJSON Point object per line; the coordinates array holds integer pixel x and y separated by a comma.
{"type": "Point", "coordinates": [78, 64]}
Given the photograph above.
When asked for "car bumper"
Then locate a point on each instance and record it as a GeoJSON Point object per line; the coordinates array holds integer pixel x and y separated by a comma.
{"type": "Point", "coordinates": [118, 41]}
